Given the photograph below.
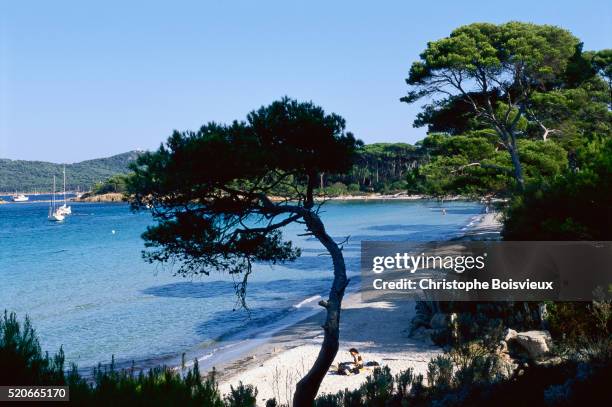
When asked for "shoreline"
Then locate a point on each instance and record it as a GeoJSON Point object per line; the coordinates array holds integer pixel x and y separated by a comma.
{"type": "Point", "coordinates": [277, 365]}
{"type": "Point", "coordinates": [276, 362]}
{"type": "Point", "coordinates": [400, 196]}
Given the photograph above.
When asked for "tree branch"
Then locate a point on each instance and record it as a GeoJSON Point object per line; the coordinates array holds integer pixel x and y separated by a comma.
{"type": "Point", "coordinates": [488, 166]}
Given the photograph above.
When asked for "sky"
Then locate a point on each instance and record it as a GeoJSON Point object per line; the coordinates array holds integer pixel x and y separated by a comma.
{"type": "Point", "coordinates": [80, 80]}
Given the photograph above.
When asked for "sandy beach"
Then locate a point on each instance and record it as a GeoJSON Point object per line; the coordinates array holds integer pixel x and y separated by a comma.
{"type": "Point", "coordinates": [380, 330]}
{"type": "Point", "coordinates": [485, 227]}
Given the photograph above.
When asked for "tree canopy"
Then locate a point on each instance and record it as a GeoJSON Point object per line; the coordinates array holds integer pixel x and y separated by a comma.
{"type": "Point", "coordinates": [514, 99]}
{"type": "Point", "coordinates": [208, 188]}
{"type": "Point", "coordinates": [495, 70]}
{"type": "Point", "coordinates": [26, 176]}
{"type": "Point", "coordinates": [210, 192]}
{"type": "Point", "coordinates": [574, 205]}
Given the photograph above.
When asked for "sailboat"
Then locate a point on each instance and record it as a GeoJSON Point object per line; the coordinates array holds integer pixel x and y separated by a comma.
{"type": "Point", "coordinates": [64, 209]}
{"type": "Point", "coordinates": [54, 214]}
{"type": "Point", "coordinates": [20, 198]}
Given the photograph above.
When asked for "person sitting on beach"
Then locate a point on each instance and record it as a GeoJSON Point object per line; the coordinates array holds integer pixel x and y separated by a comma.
{"type": "Point", "coordinates": [356, 366]}
{"type": "Point", "coordinates": [357, 359]}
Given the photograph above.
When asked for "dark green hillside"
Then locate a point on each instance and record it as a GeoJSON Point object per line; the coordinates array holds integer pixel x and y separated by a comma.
{"type": "Point", "coordinates": [27, 176]}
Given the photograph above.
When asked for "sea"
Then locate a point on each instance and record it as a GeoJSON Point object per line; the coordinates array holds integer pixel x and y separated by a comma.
{"type": "Point", "coordinates": [85, 286]}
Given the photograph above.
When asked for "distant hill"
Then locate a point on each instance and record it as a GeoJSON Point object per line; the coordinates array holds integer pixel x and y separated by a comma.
{"type": "Point", "coordinates": [27, 176]}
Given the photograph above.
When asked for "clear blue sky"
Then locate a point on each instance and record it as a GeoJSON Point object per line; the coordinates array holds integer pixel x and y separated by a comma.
{"type": "Point", "coordinates": [80, 81]}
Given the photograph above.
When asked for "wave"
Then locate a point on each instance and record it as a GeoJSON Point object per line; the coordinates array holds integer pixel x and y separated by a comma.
{"type": "Point", "coordinates": [306, 301]}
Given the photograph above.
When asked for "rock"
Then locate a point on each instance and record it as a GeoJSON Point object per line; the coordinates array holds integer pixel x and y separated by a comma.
{"type": "Point", "coordinates": [549, 361]}
{"type": "Point", "coordinates": [422, 334]}
{"type": "Point", "coordinates": [536, 343]}
{"type": "Point", "coordinates": [510, 335]}
{"type": "Point", "coordinates": [439, 321]}
{"type": "Point", "coordinates": [418, 321]}
{"type": "Point", "coordinates": [507, 365]}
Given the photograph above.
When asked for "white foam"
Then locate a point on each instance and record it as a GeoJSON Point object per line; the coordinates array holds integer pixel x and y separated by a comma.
{"type": "Point", "coordinates": [306, 301]}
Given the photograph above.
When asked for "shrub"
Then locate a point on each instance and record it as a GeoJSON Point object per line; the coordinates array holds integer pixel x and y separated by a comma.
{"type": "Point", "coordinates": [378, 387]}
{"type": "Point", "coordinates": [242, 396]}
{"type": "Point", "coordinates": [440, 372]}
{"type": "Point", "coordinates": [23, 363]}
{"type": "Point", "coordinates": [335, 189]}
{"type": "Point", "coordinates": [22, 357]}
{"type": "Point", "coordinates": [353, 188]}
{"type": "Point", "coordinates": [574, 206]}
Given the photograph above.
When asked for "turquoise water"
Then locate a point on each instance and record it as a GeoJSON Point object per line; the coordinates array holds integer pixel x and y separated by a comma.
{"type": "Point", "coordinates": [85, 286]}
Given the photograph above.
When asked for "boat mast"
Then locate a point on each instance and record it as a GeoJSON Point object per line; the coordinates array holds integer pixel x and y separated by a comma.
{"type": "Point", "coordinates": [53, 198]}
{"type": "Point", "coordinates": [64, 185]}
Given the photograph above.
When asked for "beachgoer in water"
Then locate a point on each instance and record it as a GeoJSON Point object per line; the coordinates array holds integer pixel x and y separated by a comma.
{"type": "Point", "coordinates": [443, 211]}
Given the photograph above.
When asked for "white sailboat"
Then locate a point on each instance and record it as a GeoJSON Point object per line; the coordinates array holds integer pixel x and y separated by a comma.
{"type": "Point", "coordinates": [64, 209]}
{"type": "Point", "coordinates": [54, 214]}
{"type": "Point", "coordinates": [20, 198]}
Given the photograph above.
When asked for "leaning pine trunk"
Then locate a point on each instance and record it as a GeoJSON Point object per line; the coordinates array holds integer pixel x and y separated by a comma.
{"type": "Point", "coordinates": [307, 388]}
{"type": "Point", "coordinates": [516, 163]}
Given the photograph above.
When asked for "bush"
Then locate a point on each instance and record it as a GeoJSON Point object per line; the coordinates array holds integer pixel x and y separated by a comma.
{"type": "Point", "coordinates": [578, 321]}
{"type": "Point", "coordinates": [23, 363]}
{"type": "Point", "coordinates": [399, 186]}
{"type": "Point", "coordinates": [353, 188]}
{"type": "Point", "coordinates": [335, 189]}
{"type": "Point", "coordinates": [115, 184]}
{"type": "Point", "coordinates": [575, 206]}
{"type": "Point", "coordinates": [22, 359]}
{"type": "Point", "coordinates": [467, 375]}
{"type": "Point", "coordinates": [440, 372]}
{"type": "Point", "coordinates": [378, 387]}
{"type": "Point", "coordinates": [242, 396]}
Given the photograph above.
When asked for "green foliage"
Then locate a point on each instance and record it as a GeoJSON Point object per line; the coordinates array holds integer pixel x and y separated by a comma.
{"type": "Point", "coordinates": [378, 167]}
{"type": "Point", "coordinates": [158, 387]}
{"type": "Point", "coordinates": [488, 51]}
{"type": "Point", "coordinates": [471, 164]}
{"type": "Point", "coordinates": [335, 189]}
{"type": "Point", "coordinates": [579, 322]}
{"type": "Point", "coordinates": [574, 206]}
{"type": "Point", "coordinates": [440, 372]}
{"type": "Point", "coordinates": [241, 396]}
{"type": "Point", "coordinates": [517, 80]}
{"type": "Point", "coordinates": [378, 388]}
{"type": "Point", "coordinates": [26, 176]}
{"type": "Point", "coordinates": [542, 159]}
{"type": "Point", "coordinates": [482, 380]}
{"type": "Point", "coordinates": [601, 62]}
{"type": "Point", "coordinates": [199, 199]}
{"type": "Point", "coordinates": [572, 115]}
{"type": "Point", "coordinates": [20, 349]}
{"type": "Point", "coordinates": [23, 363]}
{"type": "Point", "coordinates": [115, 184]}
{"type": "Point", "coordinates": [467, 375]}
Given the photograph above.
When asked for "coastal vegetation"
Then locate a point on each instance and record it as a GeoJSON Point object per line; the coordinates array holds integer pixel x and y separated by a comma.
{"type": "Point", "coordinates": [516, 110]}
{"type": "Point", "coordinates": [471, 374]}
{"type": "Point", "coordinates": [116, 184]}
{"type": "Point", "coordinates": [211, 216]}
{"type": "Point", "coordinates": [510, 105]}
{"type": "Point", "coordinates": [20, 349]}
{"type": "Point", "coordinates": [30, 176]}
{"type": "Point", "coordinates": [378, 168]}
{"type": "Point", "coordinates": [574, 205]}
{"type": "Point", "coordinates": [541, 136]}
